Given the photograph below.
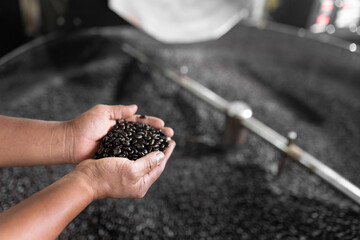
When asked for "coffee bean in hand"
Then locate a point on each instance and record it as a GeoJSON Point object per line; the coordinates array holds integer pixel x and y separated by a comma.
{"type": "Point", "coordinates": [131, 140]}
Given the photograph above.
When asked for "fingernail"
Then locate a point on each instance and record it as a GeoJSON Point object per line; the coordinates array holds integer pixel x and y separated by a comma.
{"type": "Point", "coordinates": [158, 157]}
{"type": "Point", "coordinates": [168, 138]}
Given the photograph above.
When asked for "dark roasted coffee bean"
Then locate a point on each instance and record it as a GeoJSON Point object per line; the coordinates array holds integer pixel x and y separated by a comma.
{"type": "Point", "coordinates": [101, 149]}
{"type": "Point", "coordinates": [117, 150]}
{"type": "Point", "coordinates": [142, 117]}
{"type": "Point", "coordinates": [131, 140]}
{"type": "Point", "coordinates": [138, 136]}
{"type": "Point", "coordinates": [139, 146]}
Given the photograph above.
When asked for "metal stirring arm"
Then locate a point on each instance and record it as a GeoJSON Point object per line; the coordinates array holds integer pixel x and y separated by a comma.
{"type": "Point", "coordinates": [242, 112]}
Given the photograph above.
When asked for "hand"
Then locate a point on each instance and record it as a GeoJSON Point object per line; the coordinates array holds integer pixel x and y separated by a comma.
{"type": "Point", "coordinates": [84, 133]}
{"type": "Point", "coordinates": [122, 178]}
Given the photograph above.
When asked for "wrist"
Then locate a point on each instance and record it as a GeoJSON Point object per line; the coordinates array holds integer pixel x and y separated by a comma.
{"type": "Point", "coordinates": [62, 143]}
{"type": "Point", "coordinates": [85, 177]}
{"type": "Point", "coordinates": [87, 172]}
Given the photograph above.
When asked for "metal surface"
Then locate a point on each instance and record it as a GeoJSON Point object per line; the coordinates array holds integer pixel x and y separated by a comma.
{"type": "Point", "coordinates": [257, 127]}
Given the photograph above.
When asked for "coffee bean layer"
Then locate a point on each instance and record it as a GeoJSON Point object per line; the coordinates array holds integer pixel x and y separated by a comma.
{"type": "Point", "coordinates": [131, 140]}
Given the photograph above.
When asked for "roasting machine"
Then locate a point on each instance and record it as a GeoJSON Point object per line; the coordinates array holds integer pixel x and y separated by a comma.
{"type": "Point", "coordinates": [239, 116]}
{"type": "Point", "coordinates": [204, 192]}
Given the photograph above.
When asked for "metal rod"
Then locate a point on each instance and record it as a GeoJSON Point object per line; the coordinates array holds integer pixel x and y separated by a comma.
{"type": "Point", "coordinates": [280, 142]}
{"type": "Point", "coordinates": [330, 176]}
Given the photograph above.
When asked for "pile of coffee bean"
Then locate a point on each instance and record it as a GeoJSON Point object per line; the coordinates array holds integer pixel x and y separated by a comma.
{"type": "Point", "coordinates": [131, 140]}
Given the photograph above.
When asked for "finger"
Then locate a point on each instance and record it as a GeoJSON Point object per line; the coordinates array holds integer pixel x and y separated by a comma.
{"type": "Point", "coordinates": [168, 151]}
{"type": "Point", "coordinates": [153, 121]}
{"type": "Point", "coordinates": [120, 111]}
{"type": "Point", "coordinates": [150, 177]}
{"type": "Point", "coordinates": [169, 132]}
{"type": "Point", "coordinates": [147, 163]}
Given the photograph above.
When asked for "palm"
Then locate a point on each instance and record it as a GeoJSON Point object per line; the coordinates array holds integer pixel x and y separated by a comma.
{"type": "Point", "coordinates": [90, 127]}
{"type": "Point", "coordinates": [87, 138]}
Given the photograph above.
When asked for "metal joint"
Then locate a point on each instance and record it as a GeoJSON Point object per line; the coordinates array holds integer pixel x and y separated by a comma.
{"type": "Point", "coordinates": [291, 137]}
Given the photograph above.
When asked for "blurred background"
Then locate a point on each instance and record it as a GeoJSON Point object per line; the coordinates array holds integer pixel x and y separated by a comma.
{"type": "Point", "coordinates": [24, 20]}
{"type": "Point", "coordinates": [296, 63]}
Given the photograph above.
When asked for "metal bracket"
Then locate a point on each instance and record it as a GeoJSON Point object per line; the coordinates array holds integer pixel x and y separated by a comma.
{"type": "Point", "coordinates": [291, 137]}
{"type": "Point", "coordinates": [235, 133]}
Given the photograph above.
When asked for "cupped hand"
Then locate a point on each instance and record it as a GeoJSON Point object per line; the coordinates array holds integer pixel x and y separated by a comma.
{"type": "Point", "coordinates": [84, 133]}
{"type": "Point", "coordinates": [122, 178]}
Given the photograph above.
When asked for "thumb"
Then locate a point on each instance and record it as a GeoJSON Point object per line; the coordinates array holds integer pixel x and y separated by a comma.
{"type": "Point", "coordinates": [149, 162]}
{"type": "Point", "coordinates": [121, 111]}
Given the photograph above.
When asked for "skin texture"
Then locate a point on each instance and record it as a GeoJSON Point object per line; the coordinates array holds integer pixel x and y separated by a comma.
{"type": "Point", "coordinates": [46, 213]}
